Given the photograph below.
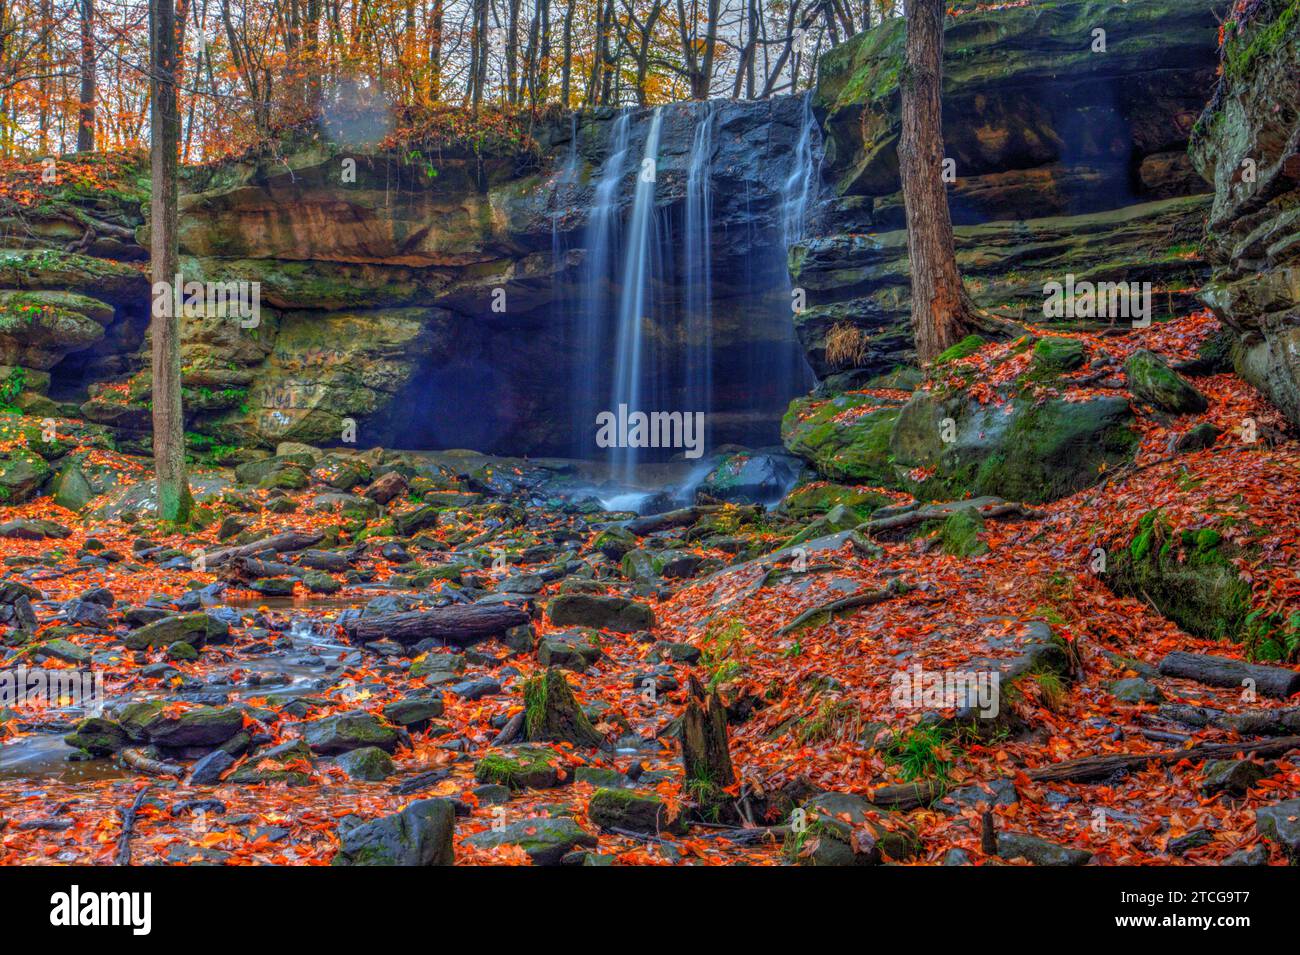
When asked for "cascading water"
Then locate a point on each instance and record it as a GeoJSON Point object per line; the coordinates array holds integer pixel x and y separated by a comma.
{"type": "Point", "coordinates": [697, 270]}
{"type": "Point", "coordinates": [800, 186]}
{"type": "Point", "coordinates": [601, 242]}
{"type": "Point", "coordinates": [635, 300]}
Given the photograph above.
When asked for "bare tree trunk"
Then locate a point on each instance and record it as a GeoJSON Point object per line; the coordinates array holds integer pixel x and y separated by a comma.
{"type": "Point", "coordinates": [86, 103]}
{"type": "Point", "coordinates": [942, 312]}
{"type": "Point", "coordinates": [566, 71]}
{"type": "Point", "coordinates": [168, 439]}
{"type": "Point", "coordinates": [435, 53]}
{"type": "Point", "coordinates": [705, 79]}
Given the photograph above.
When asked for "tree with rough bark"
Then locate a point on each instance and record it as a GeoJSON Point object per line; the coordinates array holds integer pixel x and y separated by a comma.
{"type": "Point", "coordinates": [174, 499]}
{"type": "Point", "coordinates": [942, 312]}
{"type": "Point", "coordinates": [86, 102]}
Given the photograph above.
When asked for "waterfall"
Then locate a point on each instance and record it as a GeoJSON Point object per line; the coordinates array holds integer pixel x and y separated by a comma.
{"type": "Point", "coordinates": [634, 302]}
{"type": "Point", "coordinates": [697, 271]}
{"type": "Point", "coordinates": [601, 242]}
{"type": "Point", "coordinates": [801, 185]}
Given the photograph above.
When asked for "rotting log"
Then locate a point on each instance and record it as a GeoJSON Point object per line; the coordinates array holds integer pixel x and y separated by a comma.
{"type": "Point", "coordinates": [1279, 682]}
{"type": "Point", "coordinates": [904, 796]}
{"type": "Point", "coordinates": [459, 623]}
{"type": "Point", "coordinates": [128, 828]}
{"type": "Point", "coordinates": [281, 543]}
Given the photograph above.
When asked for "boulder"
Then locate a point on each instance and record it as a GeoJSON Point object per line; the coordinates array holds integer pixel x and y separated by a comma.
{"type": "Point", "coordinates": [1280, 823]}
{"type": "Point", "coordinates": [196, 629]}
{"type": "Point", "coordinates": [419, 835]}
{"type": "Point", "coordinates": [1152, 380]}
{"type": "Point", "coordinates": [342, 732]}
{"type": "Point", "coordinates": [547, 840]}
{"type": "Point", "coordinates": [369, 764]}
{"type": "Point", "coordinates": [602, 613]}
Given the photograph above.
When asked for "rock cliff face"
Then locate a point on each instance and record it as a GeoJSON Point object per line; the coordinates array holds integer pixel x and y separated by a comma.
{"type": "Point", "coordinates": [437, 301]}
{"type": "Point", "coordinates": [1067, 160]}
{"type": "Point", "coordinates": [1247, 144]}
{"type": "Point", "coordinates": [440, 297]}
{"type": "Point", "coordinates": [434, 297]}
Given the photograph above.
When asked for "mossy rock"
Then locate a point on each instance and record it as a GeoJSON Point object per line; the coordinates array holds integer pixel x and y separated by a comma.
{"type": "Point", "coordinates": [845, 437]}
{"type": "Point", "coordinates": [1153, 381]}
{"type": "Point", "coordinates": [600, 612]}
{"type": "Point", "coordinates": [1054, 356]}
{"type": "Point", "coordinates": [828, 839]}
{"type": "Point", "coordinates": [196, 629]}
{"type": "Point", "coordinates": [21, 475]}
{"type": "Point", "coordinates": [342, 732]}
{"type": "Point", "coordinates": [547, 840]}
{"type": "Point", "coordinates": [1188, 576]}
{"type": "Point", "coordinates": [632, 810]}
{"type": "Point", "coordinates": [838, 518]}
{"type": "Point", "coordinates": [200, 726]}
{"type": "Point", "coordinates": [961, 534]}
{"type": "Point", "coordinates": [279, 764]}
{"type": "Point", "coordinates": [411, 522]}
{"type": "Point", "coordinates": [524, 767]}
{"type": "Point", "coordinates": [98, 736]}
{"type": "Point", "coordinates": [963, 349]}
{"type": "Point", "coordinates": [812, 500]}
{"type": "Point", "coordinates": [419, 835]}
{"type": "Point", "coordinates": [368, 764]}
{"type": "Point", "coordinates": [614, 542]}
{"type": "Point", "coordinates": [1037, 452]}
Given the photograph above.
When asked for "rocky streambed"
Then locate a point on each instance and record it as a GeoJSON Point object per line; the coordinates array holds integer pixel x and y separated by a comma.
{"type": "Point", "coordinates": [373, 657]}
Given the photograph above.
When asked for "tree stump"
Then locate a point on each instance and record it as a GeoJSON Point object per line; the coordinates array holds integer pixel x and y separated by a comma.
{"type": "Point", "coordinates": [552, 713]}
{"type": "Point", "coordinates": [705, 755]}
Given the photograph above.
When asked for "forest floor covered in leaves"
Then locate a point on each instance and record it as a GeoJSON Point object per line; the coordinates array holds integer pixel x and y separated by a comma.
{"type": "Point", "coordinates": [324, 723]}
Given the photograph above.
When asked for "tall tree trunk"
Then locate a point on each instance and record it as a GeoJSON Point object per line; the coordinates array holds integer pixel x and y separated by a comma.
{"type": "Point", "coordinates": [566, 69]}
{"type": "Point", "coordinates": [942, 312]}
{"type": "Point", "coordinates": [168, 439]}
{"type": "Point", "coordinates": [435, 53]}
{"type": "Point", "coordinates": [86, 103]}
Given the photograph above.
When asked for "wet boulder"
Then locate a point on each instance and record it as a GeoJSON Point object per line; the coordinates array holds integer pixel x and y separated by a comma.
{"type": "Point", "coordinates": [631, 810]}
{"type": "Point", "coordinates": [197, 726]}
{"type": "Point", "coordinates": [602, 613]}
{"type": "Point", "coordinates": [547, 840]}
{"type": "Point", "coordinates": [347, 731]}
{"type": "Point", "coordinates": [1152, 380]}
{"type": "Point", "coordinates": [368, 764]}
{"type": "Point", "coordinates": [419, 835]}
{"type": "Point", "coordinates": [759, 478]}
{"type": "Point", "coordinates": [196, 629]}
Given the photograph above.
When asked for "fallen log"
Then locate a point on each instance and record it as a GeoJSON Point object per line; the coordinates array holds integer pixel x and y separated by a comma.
{"type": "Point", "coordinates": [460, 624]}
{"type": "Point", "coordinates": [683, 517]}
{"type": "Point", "coordinates": [1279, 682]}
{"type": "Point", "coordinates": [154, 767]}
{"type": "Point", "coordinates": [513, 729]}
{"type": "Point", "coordinates": [281, 543]}
{"type": "Point", "coordinates": [128, 828]}
{"type": "Point", "coordinates": [987, 508]}
{"type": "Point", "coordinates": [906, 796]}
{"type": "Point", "coordinates": [895, 588]}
